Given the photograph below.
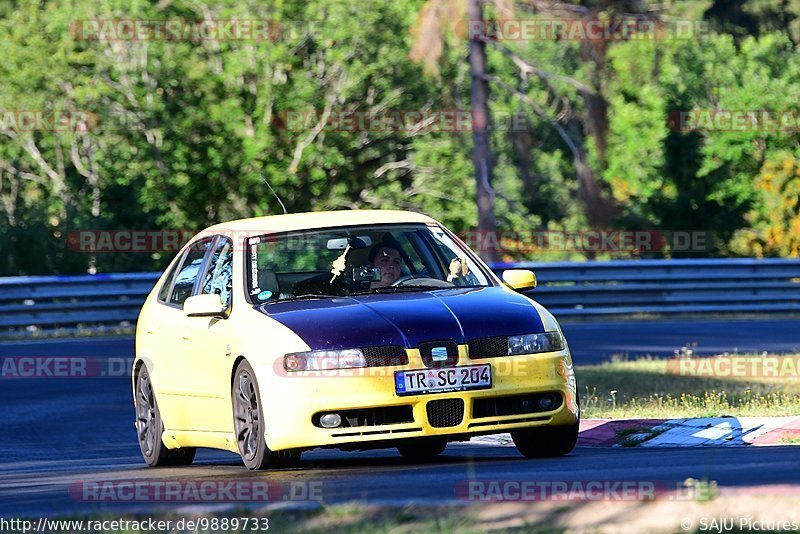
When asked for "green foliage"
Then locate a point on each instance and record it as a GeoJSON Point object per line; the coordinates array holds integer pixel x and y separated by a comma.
{"type": "Point", "coordinates": [187, 131]}
{"type": "Point", "coordinates": [775, 221]}
{"type": "Point", "coordinates": [700, 179]}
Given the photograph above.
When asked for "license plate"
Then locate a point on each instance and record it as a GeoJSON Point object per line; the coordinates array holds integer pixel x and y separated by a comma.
{"type": "Point", "coordinates": [446, 379]}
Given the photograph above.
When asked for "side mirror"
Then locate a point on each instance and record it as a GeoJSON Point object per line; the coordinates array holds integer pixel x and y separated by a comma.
{"type": "Point", "coordinates": [205, 306]}
{"type": "Point", "coordinates": [519, 279]}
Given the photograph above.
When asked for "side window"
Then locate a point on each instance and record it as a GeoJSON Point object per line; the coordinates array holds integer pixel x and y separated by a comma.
{"type": "Point", "coordinates": [164, 291]}
{"type": "Point", "coordinates": [189, 271]}
{"type": "Point", "coordinates": [219, 278]}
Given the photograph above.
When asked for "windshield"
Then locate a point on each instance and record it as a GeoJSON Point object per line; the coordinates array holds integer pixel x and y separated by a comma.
{"type": "Point", "coordinates": [358, 260]}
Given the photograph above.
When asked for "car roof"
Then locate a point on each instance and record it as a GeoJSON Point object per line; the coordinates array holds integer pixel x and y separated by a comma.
{"type": "Point", "coordinates": [318, 219]}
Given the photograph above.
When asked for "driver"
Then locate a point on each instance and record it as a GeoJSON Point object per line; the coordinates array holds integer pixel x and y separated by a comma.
{"type": "Point", "coordinates": [386, 257]}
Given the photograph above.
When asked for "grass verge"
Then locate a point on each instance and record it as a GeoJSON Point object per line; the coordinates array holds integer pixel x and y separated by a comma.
{"type": "Point", "coordinates": [346, 519]}
{"type": "Point", "coordinates": [723, 386]}
{"type": "Point", "coordinates": [754, 512]}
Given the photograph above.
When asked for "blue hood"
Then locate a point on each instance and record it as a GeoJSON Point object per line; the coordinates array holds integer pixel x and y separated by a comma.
{"type": "Point", "coordinates": [407, 319]}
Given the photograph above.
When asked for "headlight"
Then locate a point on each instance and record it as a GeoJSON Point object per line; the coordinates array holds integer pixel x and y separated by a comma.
{"type": "Point", "coordinates": [321, 360]}
{"type": "Point", "coordinates": [533, 343]}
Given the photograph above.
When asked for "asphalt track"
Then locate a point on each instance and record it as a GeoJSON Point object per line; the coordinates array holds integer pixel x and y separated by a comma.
{"type": "Point", "coordinates": [57, 433]}
{"type": "Point", "coordinates": [589, 342]}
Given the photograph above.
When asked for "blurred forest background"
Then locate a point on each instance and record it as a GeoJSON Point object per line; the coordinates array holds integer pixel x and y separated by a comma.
{"type": "Point", "coordinates": [188, 130]}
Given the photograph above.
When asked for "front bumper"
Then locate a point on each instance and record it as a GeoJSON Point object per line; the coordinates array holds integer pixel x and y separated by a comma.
{"type": "Point", "coordinates": [291, 400]}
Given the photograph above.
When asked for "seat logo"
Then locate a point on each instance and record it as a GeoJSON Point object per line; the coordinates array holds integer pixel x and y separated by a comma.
{"type": "Point", "coordinates": [439, 354]}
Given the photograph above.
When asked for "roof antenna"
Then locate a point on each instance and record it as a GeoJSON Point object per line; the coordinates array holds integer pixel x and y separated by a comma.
{"type": "Point", "coordinates": [263, 177]}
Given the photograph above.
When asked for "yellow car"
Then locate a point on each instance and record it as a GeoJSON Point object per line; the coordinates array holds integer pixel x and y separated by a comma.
{"type": "Point", "coordinates": [348, 329]}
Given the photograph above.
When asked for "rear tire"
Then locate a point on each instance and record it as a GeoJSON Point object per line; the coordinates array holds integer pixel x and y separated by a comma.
{"type": "Point", "coordinates": [546, 441]}
{"type": "Point", "coordinates": [421, 449]}
{"type": "Point", "coordinates": [150, 428]}
{"type": "Point", "coordinates": [248, 423]}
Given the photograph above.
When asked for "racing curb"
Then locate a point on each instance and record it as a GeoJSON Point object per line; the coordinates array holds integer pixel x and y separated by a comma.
{"type": "Point", "coordinates": [701, 432]}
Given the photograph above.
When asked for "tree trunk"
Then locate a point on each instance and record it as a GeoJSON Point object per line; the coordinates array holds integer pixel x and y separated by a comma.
{"type": "Point", "coordinates": [482, 158]}
{"type": "Point", "coordinates": [593, 55]}
{"type": "Point", "coordinates": [599, 209]}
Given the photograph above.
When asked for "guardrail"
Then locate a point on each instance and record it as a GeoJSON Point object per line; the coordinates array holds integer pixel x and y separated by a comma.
{"type": "Point", "coordinates": [31, 303]}
{"type": "Point", "coordinates": [629, 287]}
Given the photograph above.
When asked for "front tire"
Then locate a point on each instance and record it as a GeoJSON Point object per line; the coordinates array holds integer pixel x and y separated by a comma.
{"type": "Point", "coordinates": [248, 423]}
{"type": "Point", "coordinates": [150, 428]}
{"type": "Point", "coordinates": [546, 441]}
{"type": "Point", "coordinates": [421, 449]}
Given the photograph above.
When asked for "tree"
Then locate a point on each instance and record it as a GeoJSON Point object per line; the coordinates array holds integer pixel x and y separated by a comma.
{"type": "Point", "coordinates": [482, 157]}
{"type": "Point", "coordinates": [775, 219]}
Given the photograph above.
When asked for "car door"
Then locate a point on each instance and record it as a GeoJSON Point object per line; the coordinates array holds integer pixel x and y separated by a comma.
{"type": "Point", "coordinates": [207, 346]}
{"type": "Point", "coordinates": [173, 375]}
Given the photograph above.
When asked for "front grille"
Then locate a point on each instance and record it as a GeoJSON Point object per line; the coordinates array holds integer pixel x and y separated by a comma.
{"type": "Point", "coordinates": [445, 413]}
{"type": "Point", "coordinates": [488, 347]}
{"type": "Point", "coordinates": [427, 349]}
{"type": "Point", "coordinates": [515, 405]}
{"type": "Point", "coordinates": [384, 415]}
{"type": "Point", "coordinates": [385, 355]}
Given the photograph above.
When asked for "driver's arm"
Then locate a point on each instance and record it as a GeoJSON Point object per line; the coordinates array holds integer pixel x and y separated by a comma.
{"type": "Point", "coordinates": [458, 269]}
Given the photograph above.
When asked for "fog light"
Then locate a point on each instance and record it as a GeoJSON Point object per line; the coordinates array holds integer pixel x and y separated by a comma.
{"type": "Point", "coordinates": [547, 402]}
{"type": "Point", "coordinates": [330, 420]}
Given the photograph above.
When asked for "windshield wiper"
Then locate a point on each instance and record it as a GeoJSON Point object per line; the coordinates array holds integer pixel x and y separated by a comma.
{"type": "Point", "coordinates": [398, 289]}
{"type": "Point", "coordinates": [308, 296]}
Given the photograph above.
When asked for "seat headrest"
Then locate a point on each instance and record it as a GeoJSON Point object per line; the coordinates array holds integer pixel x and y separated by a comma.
{"type": "Point", "coordinates": [268, 281]}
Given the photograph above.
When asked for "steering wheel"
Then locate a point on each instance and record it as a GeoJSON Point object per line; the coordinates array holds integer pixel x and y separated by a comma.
{"type": "Point", "coordinates": [403, 281]}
